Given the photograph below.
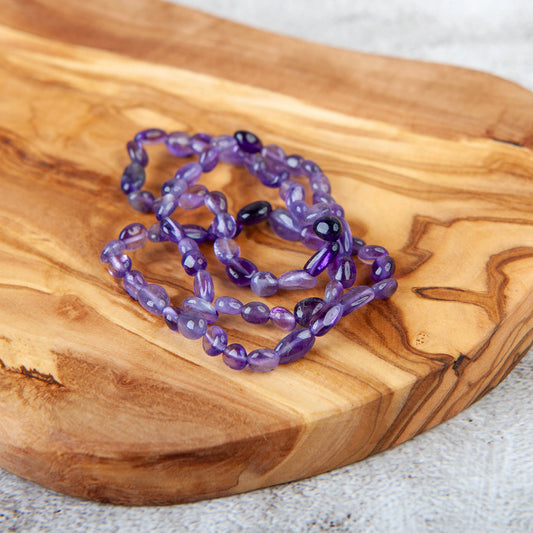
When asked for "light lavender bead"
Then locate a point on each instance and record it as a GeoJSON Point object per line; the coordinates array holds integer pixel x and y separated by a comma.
{"type": "Point", "coordinates": [323, 197]}
{"type": "Point", "coordinates": [119, 265]}
{"type": "Point", "coordinates": [133, 282]}
{"type": "Point", "coordinates": [310, 239]}
{"type": "Point", "coordinates": [207, 309]}
{"type": "Point", "coordinates": [337, 210]}
{"type": "Point", "coordinates": [228, 305]}
{"type": "Point", "coordinates": [134, 236]}
{"type": "Point", "coordinates": [226, 249]}
{"type": "Point", "coordinates": [285, 225]}
{"type": "Point", "coordinates": [153, 298]}
{"type": "Point", "coordinates": [325, 319]}
{"type": "Point", "coordinates": [190, 173]}
{"type": "Point", "coordinates": [155, 234]}
{"type": "Point", "coordinates": [137, 153]}
{"type": "Point", "coordinates": [193, 197]}
{"type": "Point", "coordinates": [233, 156]}
{"type": "Point", "coordinates": [192, 325]}
{"type": "Point", "coordinates": [255, 163]}
{"type": "Point", "coordinates": [271, 178]}
{"type": "Point", "coordinates": [174, 186]}
{"type": "Point", "coordinates": [316, 212]}
{"type": "Point", "coordinates": [311, 169]}
{"type": "Point", "coordinates": [112, 249]}
{"type": "Point", "coordinates": [223, 142]}
{"type": "Point", "coordinates": [333, 291]}
{"type": "Point", "coordinates": [283, 318]}
{"type": "Point", "coordinates": [199, 142]}
{"type": "Point", "coordinates": [295, 345]}
{"type": "Point", "coordinates": [295, 194]}
{"type": "Point", "coordinates": [224, 226]}
{"type": "Point", "coordinates": [187, 245]}
{"type": "Point", "coordinates": [255, 313]}
{"type": "Point", "coordinates": [297, 279]}
{"type": "Point", "coordinates": [141, 201]}
{"type": "Point", "coordinates": [216, 202]}
{"type": "Point", "coordinates": [203, 286]}
{"type": "Point", "coordinates": [215, 340]}
{"type": "Point", "coordinates": [346, 239]}
{"type": "Point", "coordinates": [382, 268]}
{"type": "Point", "coordinates": [355, 298]}
{"type": "Point", "coordinates": [235, 356]}
{"type": "Point", "coordinates": [178, 143]}
{"type": "Point", "coordinates": [264, 283]}
{"type": "Point", "coordinates": [294, 163]}
{"type": "Point", "coordinates": [208, 159]}
{"type": "Point", "coordinates": [286, 187]}
{"type": "Point", "coordinates": [171, 314]}
{"type": "Point", "coordinates": [263, 360]}
{"type": "Point", "coordinates": [299, 210]}
{"type": "Point", "coordinates": [172, 230]}
{"type": "Point", "coordinates": [274, 153]}
{"type": "Point", "coordinates": [151, 136]}
{"type": "Point", "coordinates": [385, 289]}
{"type": "Point", "coordinates": [369, 253]}
{"type": "Point", "coordinates": [320, 184]}
{"type": "Point", "coordinates": [133, 178]}
{"type": "Point", "coordinates": [167, 206]}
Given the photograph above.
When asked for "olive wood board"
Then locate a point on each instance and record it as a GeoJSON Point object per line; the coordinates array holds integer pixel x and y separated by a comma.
{"type": "Point", "coordinates": [99, 399]}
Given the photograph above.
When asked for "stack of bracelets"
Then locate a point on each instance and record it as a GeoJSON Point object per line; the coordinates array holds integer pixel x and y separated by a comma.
{"type": "Point", "coordinates": [320, 226]}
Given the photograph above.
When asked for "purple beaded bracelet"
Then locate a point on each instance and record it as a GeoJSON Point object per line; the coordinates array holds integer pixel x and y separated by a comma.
{"type": "Point", "coordinates": [320, 226]}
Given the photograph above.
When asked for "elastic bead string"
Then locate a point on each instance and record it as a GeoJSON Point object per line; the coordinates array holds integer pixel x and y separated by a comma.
{"type": "Point", "coordinates": [320, 226]}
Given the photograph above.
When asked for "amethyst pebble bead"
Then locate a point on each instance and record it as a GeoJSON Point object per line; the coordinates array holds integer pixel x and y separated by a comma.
{"type": "Point", "coordinates": [382, 268]}
{"type": "Point", "coordinates": [248, 142]}
{"type": "Point", "coordinates": [151, 136]}
{"type": "Point", "coordinates": [284, 224]}
{"type": "Point", "coordinates": [369, 253]}
{"type": "Point", "coordinates": [343, 270]}
{"type": "Point", "coordinates": [153, 298]}
{"type": "Point", "coordinates": [226, 250]}
{"type": "Point", "coordinates": [203, 286]}
{"type": "Point", "coordinates": [193, 261]}
{"type": "Point", "coordinates": [178, 143]}
{"type": "Point", "coordinates": [215, 340]}
{"type": "Point", "coordinates": [240, 271]}
{"type": "Point", "coordinates": [133, 178]}
{"type": "Point", "coordinates": [235, 356]}
{"type": "Point", "coordinates": [113, 248]}
{"type": "Point", "coordinates": [297, 279]}
{"type": "Point", "coordinates": [283, 318]}
{"type": "Point", "coordinates": [264, 283]}
{"type": "Point", "coordinates": [195, 232]}
{"type": "Point", "coordinates": [320, 260]}
{"type": "Point", "coordinates": [295, 345]}
{"type": "Point", "coordinates": [385, 289]}
{"type": "Point", "coordinates": [228, 305]}
{"type": "Point", "coordinates": [189, 173]}
{"type": "Point", "coordinates": [322, 321]}
{"type": "Point", "coordinates": [208, 159]}
{"type": "Point", "coordinates": [306, 308]}
{"type": "Point", "coordinates": [355, 298]}
{"type": "Point", "coordinates": [141, 201]}
{"type": "Point", "coordinates": [119, 265]}
{"type": "Point", "coordinates": [263, 360]}
{"type": "Point", "coordinates": [133, 281]}
{"type": "Point", "coordinates": [253, 213]}
{"type": "Point", "coordinates": [199, 142]}
{"type": "Point", "coordinates": [328, 228]}
{"type": "Point", "coordinates": [137, 153]}
{"type": "Point", "coordinates": [172, 230]}
{"type": "Point", "coordinates": [205, 308]}
{"type": "Point", "coordinates": [192, 325]}
{"type": "Point", "coordinates": [255, 313]}
{"type": "Point", "coordinates": [171, 315]}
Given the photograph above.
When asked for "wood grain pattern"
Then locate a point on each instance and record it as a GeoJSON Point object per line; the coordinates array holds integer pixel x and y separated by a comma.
{"type": "Point", "coordinates": [100, 400]}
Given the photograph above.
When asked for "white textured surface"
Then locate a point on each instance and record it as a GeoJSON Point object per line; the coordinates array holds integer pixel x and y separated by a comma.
{"type": "Point", "coordinates": [471, 474]}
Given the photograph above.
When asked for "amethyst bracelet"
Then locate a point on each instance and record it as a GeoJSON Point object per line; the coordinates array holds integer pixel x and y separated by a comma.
{"type": "Point", "coordinates": [320, 226]}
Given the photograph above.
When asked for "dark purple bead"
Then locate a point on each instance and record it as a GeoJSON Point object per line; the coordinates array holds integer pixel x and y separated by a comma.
{"type": "Point", "coordinates": [226, 250]}
{"type": "Point", "coordinates": [356, 244]}
{"type": "Point", "coordinates": [240, 271]}
{"type": "Point", "coordinates": [119, 265]}
{"type": "Point", "coordinates": [320, 260]}
{"type": "Point", "coordinates": [248, 142]}
{"type": "Point", "coordinates": [133, 178]}
{"type": "Point", "coordinates": [190, 173]}
{"type": "Point", "coordinates": [325, 319]}
{"type": "Point", "coordinates": [369, 253]}
{"type": "Point", "coordinates": [174, 186]}
{"type": "Point", "coordinates": [255, 313]}
{"type": "Point", "coordinates": [215, 340]}
{"type": "Point", "coordinates": [208, 159]}
{"type": "Point", "coordinates": [151, 136]}
{"type": "Point", "coordinates": [228, 305]}
{"type": "Point", "coordinates": [193, 303]}
{"type": "Point", "coordinates": [284, 224]}
{"type": "Point", "coordinates": [224, 226]}
{"type": "Point", "coordinates": [382, 268]}
{"type": "Point", "coordinates": [187, 245]}
{"type": "Point", "coordinates": [193, 261]}
{"type": "Point", "coordinates": [283, 318]}
{"type": "Point", "coordinates": [153, 298]}
{"type": "Point", "coordinates": [195, 232]}
{"type": "Point", "coordinates": [310, 168]}
{"type": "Point", "coordinates": [155, 234]}
{"type": "Point", "coordinates": [134, 236]}
{"type": "Point", "coordinates": [263, 360]}
{"type": "Point", "coordinates": [216, 202]}
{"type": "Point", "coordinates": [306, 308]}
{"type": "Point", "coordinates": [172, 230]}
{"type": "Point", "coordinates": [167, 206]}
{"type": "Point", "coordinates": [294, 163]}
{"type": "Point", "coordinates": [385, 289]}
{"type": "Point", "coordinates": [141, 201]}
{"type": "Point", "coordinates": [199, 142]}
{"type": "Point", "coordinates": [203, 286]}
{"type": "Point", "coordinates": [193, 197]}
{"type": "Point", "coordinates": [310, 239]}
{"type": "Point", "coordinates": [328, 228]}
{"type": "Point", "coordinates": [133, 281]}
{"type": "Point", "coordinates": [192, 325]}
{"type": "Point", "coordinates": [137, 153]}
{"type": "Point", "coordinates": [113, 248]}
{"type": "Point", "coordinates": [355, 298]}
{"type": "Point", "coordinates": [343, 269]}
{"type": "Point", "coordinates": [333, 292]}
{"type": "Point", "coordinates": [253, 213]}
{"type": "Point", "coordinates": [178, 143]}
{"type": "Point", "coordinates": [295, 345]}
{"type": "Point", "coordinates": [297, 279]}
{"type": "Point", "coordinates": [264, 283]}
{"type": "Point", "coordinates": [320, 184]}
{"type": "Point", "coordinates": [235, 356]}
{"type": "Point", "coordinates": [171, 315]}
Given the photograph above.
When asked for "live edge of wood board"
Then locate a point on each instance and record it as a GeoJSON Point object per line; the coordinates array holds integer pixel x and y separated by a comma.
{"type": "Point", "coordinates": [98, 399]}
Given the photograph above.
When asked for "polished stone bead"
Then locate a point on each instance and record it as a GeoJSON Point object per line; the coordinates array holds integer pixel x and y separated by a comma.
{"type": "Point", "coordinates": [284, 224]}
{"type": "Point", "coordinates": [224, 226]}
{"type": "Point", "coordinates": [316, 212]}
{"type": "Point", "coordinates": [141, 201]}
{"type": "Point", "coordinates": [255, 164]}
{"type": "Point", "coordinates": [355, 298]}
{"type": "Point", "coordinates": [255, 313]}
{"type": "Point", "coordinates": [195, 232]}
{"type": "Point", "coordinates": [215, 340]}
{"type": "Point", "coordinates": [319, 197]}
{"type": "Point", "coordinates": [137, 153]}
{"type": "Point", "coordinates": [299, 209]}
{"type": "Point", "coordinates": [133, 178]}
{"type": "Point", "coordinates": [271, 178]}
{"type": "Point", "coordinates": [369, 253]}
{"type": "Point", "coordinates": [327, 228]}
{"type": "Point", "coordinates": [320, 260]}
{"type": "Point", "coordinates": [282, 318]}
{"type": "Point", "coordinates": [153, 298]}
{"type": "Point", "coordinates": [294, 164]}
{"type": "Point", "coordinates": [325, 319]}
{"type": "Point", "coordinates": [382, 268]}
{"type": "Point", "coordinates": [295, 345]}
{"type": "Point", "coordinates": [119, 265]}
{"type": "Point", "coordinates": [187, 245]}
{"type": "Point", "coordinates": [193, 303]}
{"type": "Point", "coordinates": [226, 249]}
{"type": "Point", "coordinates": [203, 286]}
{"type": "Point", "coordinates": [233, 156]}
{"type": "Point", "coordinates": [151, 136]}
{"type": "Point", "coordinates": [263, 360]}
{"type": "Point", "coordinates": [171, 315]}
{"type": "Point", "coordinates": [223, 142]}
{"type": "Point", "coordinates": [264, 283]}
{"type": "Point", "coordinates": [190, 173]}
{"type": "Point", "coordinates": [235, 356]}
{"type": "Point", "coordinates": [134, 236]}
{"type": "Point", "coordinates": [155, 234]}
{"type": "Point", "coordinates": [356, 244]}
{"type": "Point", "coordinates": [306, 308]}
{"type": "Point", "coordinates": [297, 279]}
{"type": "Point", "coordinates": [174, 186]}
{"type": "Point", "coordinates": [274, 153]}
{"type": "Point", "coordinates": [208, 159]}
{"type": "Point", "coordinates": [333, 292]}
{"type": "Point", "coordinates": [193, 197]}
{"type": "Point", "coordinates": [112, 249]}
{"type": "Point", "coordinates": [295, 194]}
{"type": "Point", "coordinates": [337, 210]}
{"type": "Point", "coordinates": [286, 187]}
{"type": "Point", "coordinates": [228, 305]}
{"type": "Point", "coordinates": [320, 184]}
{"type": "Point", "coordinates": [240, 271]}
{"type": "Point", "coordinates": [193, 261]}
{"type": "Point", "coordinates": [178, 143]}
{"type": "Point", "coordinates": [216, 202]}
{"type": "Point", "coordinates": [199, 142]}
{"type": "Point", "coordinates": [253, 213]}
{"type": "Point", "coordinates": [309, 238]}
{"type": "Point", "coordinates": [248, 142]}
{"type": "Point", "coordinates": [167, 206]}
{"type": "Point", "coordinates": [343, 269]}
{"type": "Point", "coordinates": [346, 239]}
{"type": "Point", "coordinates": [310, 168]}
{"type": "Point", "coordinates": [133, 281]}
{"type": "Point", "coordinates": [385, 288]}
{"type": "Point", "coordinates": [172, 230]}
{"type": "Point", "coordinates": [192, 325]}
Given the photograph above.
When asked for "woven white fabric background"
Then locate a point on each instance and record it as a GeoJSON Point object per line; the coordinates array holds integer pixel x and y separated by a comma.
{"type": "Point", "coordinates": [473, 473]}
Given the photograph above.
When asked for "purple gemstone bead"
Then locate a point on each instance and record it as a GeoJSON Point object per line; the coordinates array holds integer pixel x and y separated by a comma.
{"type": "Point", "coordinates": [174, 186]}
{"type": "Point", "coordinates": [297, 279]}
{"type": "Point", "coordinates": [255, 313]}
{"type": "Point", "coordinates": [195, 232]}
{"type": "Point", "coordinates": [316, 212]}
{"type": "Point", "coordinates": [255, 164]}
{"type": "Point", "coordinates": [382, 268]}
{"type": "Point", "coordinates": [172, 230]}
{"type": "Point", "coordinates": [235, 356]}
{"type": "Point", "coordinates": [310, 239]}
{"type": "Point", "coordinates": [346, 239]}
{"type": "Point", "coordinates": [141, 201]}
{"type": "Point", "coordinates": [133, 282]}
{"type": "Point", "coordinates": [325, 319]}
{"type": "Point", "coordinates": [369, 253]}
{"type": "Point", "coordinates": [119, 265]}
{"type": "Point", "coordinates": [264, 283]}
{"type": "Point", "coordinates": [224, 226]}
{"type": "Point", "coordinates": [203, 286]}
{"type": "Point", "coordinates": [226, 250]}
{"type": "Point", "coordinates": [228, 305]}
{"type": "Point", "coordinates": [178, 143]}
{"type": "Point", "coordinates": [223, 142]}
{"type": "Point", "coordinates": [208, 159]}
{"type": "Point", "coordinates": [284, 224]}
{"type": "Point", "coordinates": [343, 269]}
{"type": "Point", "coordinates": [274, 153]}
{"type": "Point", "coordinates": [311, 169]}
{"type": "Point", "coordinates": [200, 142]}
{"type": "Point", "coordinates": [151, 136]}
{"type": "Point", "coordinates": [253, 213]}
{"type": "Point", "coordinates": [171, 315]}
{"type": "Point", "coordinates": [113, 248]}
{"type": "Point", "coordinates": [295, 194]}
{"type": "Point", "coordinates": [263, 360]}
{"type": "Point", "coordinates": [192, 325]}
{"type": "Point", "coordinates": [153, 298]}
{"type": "Point", "coordinates": [294, 163]}
{"type": "Point", "coordinates": [215, 340]}
{"type": "Point", "coordinates": [167, 206]}
{"type": "Point", "coordinates": [333, 292]}
{"type": "Point", "coordinates": [328, 228]}
{"type": "Point", "coordinates": [306, 308]}
{"type": "Point", "coordinates": [155, 234]}
{"type": "Point", "coordinates": [320, 184]}
{"type": "Point", "coordinates": [193, 197]}
{"type": "Point", "coordinates": [355, 298]}
{"type": "Point", "coordinates": [137, 153]}
{"type": "Point", "coordinates": [337, 210]}
{"type": "Point", "coordinates": [356, 244]}
{"type": "Point", "coordinates": [323, 197]}
{"type": "Point", "coordinates": [248, 142]}
{"type": "Point", "coordinates": [299, 210]}
{"type": "Point", "coordinates": [271, 178]}
{"type": "Point", "coordinates": [187, 245]}
{"type": "Point", "coordinates": [286, 187]}
{"type": "Point", "coordinates": [320, 260]}
{"type": "Point", "coordinates": [216, 202]}
{"type": "Point", "coordinates": [193, 303]}
{"type": "Point", "coordinates": [283, 318]}
{"type": "Point", "coordinates": [133, 178]}
{"type": "Point", "coordinates": [134, 236]}
{"type": "Point", "coordinates": [385, 289]}
{"type": "Point", "coordinates": [240, 271]}
{"type": "Point", "coordinates": [233, 156]}
{"type": "Point", "coordinates": [190, 173]}
{"type": "Point", "coordinates": [193, 261]}
{"type": "Point", "coordinates": [295, 345]}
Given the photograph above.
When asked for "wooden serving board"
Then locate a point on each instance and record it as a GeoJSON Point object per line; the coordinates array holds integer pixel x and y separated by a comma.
{"type": "Point", "coordinates": [100, 400]}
